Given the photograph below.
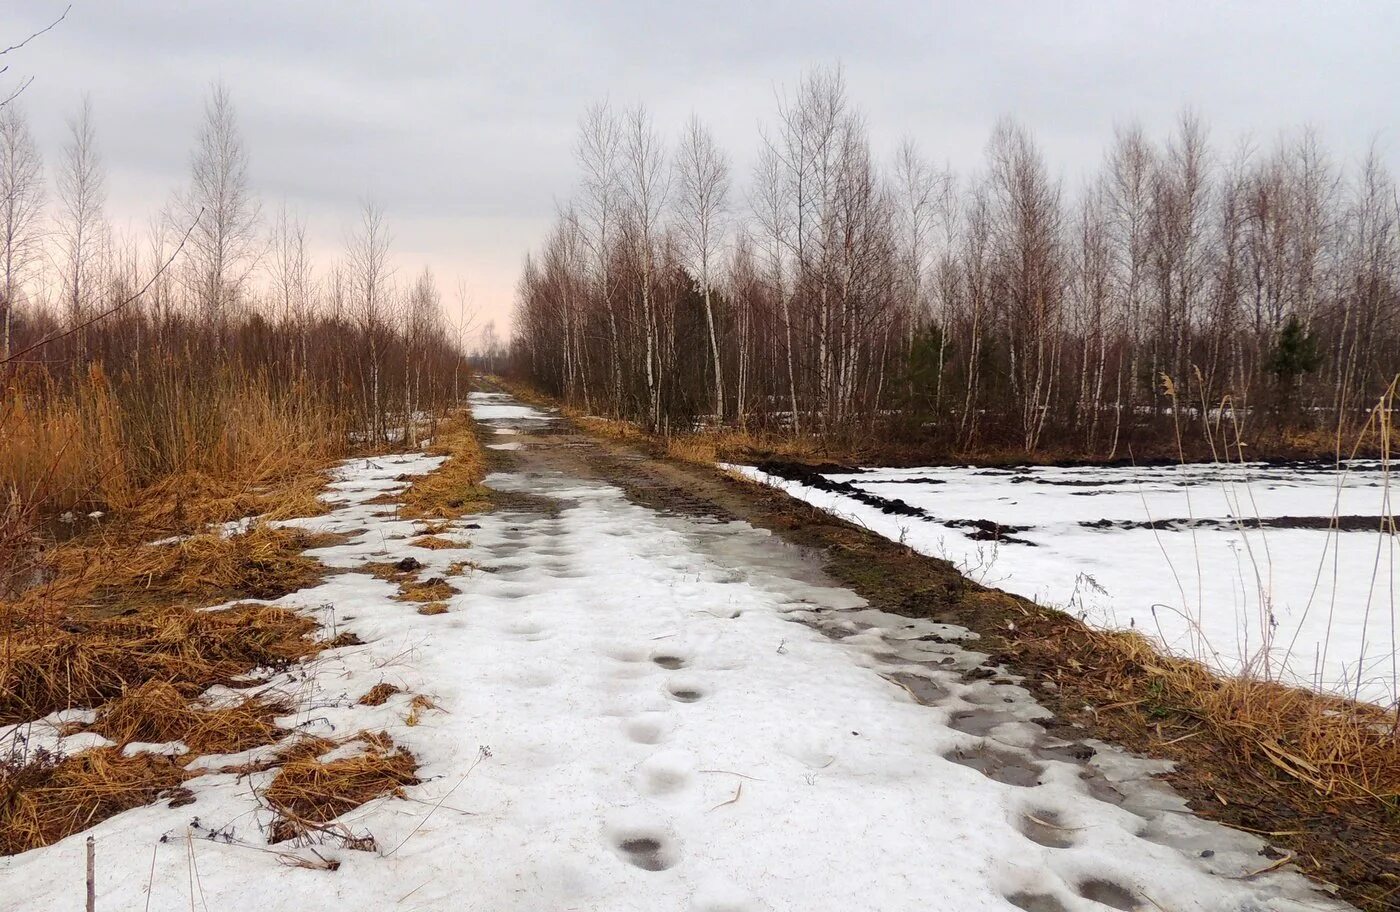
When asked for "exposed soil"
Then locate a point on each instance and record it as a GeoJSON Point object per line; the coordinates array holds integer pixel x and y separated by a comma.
{"type": "Point", "coordinates": [815, 477]}
{"type": "Point", "coordinates": [1322, 523]}
{"type": "Point", "coordinates": [1359, 854]}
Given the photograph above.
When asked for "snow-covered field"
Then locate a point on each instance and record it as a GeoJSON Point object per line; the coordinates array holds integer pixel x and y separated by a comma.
{"type": "Point", "coordinates": [1177, 552]}
{"type": "Point", "coordinates": [639, 711]}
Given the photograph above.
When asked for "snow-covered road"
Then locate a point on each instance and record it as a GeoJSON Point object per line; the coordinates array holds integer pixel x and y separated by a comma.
{"type": "Point", "coordinates": [643, 711]}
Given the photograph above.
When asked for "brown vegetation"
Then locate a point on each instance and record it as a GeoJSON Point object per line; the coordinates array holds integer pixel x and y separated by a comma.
{"type": "Point", "coordinates": [156, 388]}
{"type": "Point", "coordinates": [379, 694]}
{"type": "Point", "coordinates": [159, 712]}
{"type": "Point", "coordinates": [308, 793]}
{"type": "Point", "coordinates": [1318, 774]}
{"type": "Point", "coordinates": [455, 488]}
{"type": "Point", "coordinates": [437, 543]}
{"type": "Point", "coordinates": [48, 798]}
{"type": "Point", "coordinates": [58, 663]}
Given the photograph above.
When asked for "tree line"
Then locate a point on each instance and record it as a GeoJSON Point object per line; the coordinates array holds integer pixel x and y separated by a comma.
{"type": "Point", "coordinates": [1226, 295]}
{"type": "Point", "coordinates": [211, 283]}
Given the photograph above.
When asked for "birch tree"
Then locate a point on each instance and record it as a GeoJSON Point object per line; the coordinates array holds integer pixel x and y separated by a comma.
{"type": "Point", "coordinates": [21, 204]}
{"type": "Point", "coordinates": [702, 192]}
{"type": "Point", "coordinates": [81, 229]}
{"type": "Point", "coordinates": [223, 247]}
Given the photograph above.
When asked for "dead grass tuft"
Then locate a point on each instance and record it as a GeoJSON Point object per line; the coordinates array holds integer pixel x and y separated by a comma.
{"type": "Point", "coordinates": [159, 712]}
{"type": "Point", "coordinates": [309, 793]}
{"type": "Point", "coordinates": [263, 562]}
{"type": "Point", "coordinates": [435, 589]}
{"type": "Point", "coordinates": [60, 663]}
{"type": "Point", "coordinates": [437, 543]}
{"type": "Point", "coordinates": [433, 608]}
{"type": "Point", "coordinates": [455, 488]}
{"type": "Point", "coordinates": [50, 797]}
{"type": "Point", "coordinates": [379, 694]}
{"type": "Point", "coordinates": [416, 707]}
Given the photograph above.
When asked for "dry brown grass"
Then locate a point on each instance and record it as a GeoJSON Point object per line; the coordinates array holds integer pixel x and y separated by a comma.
{"type": "Point", "coordinates": [159, 712]}
{"type": "Point", "coordinates": [705, 447]}
{"type": "Point", "coordinates": [411, 588]}
{"type": "Point", "coordinates": [433, 608]}
{"type": "Point", "coordinates": [1318, 774]}
{"type": "Point", "coordinates": [62, 663]}
{"type": "Point", "coordinates": [416, 707]}
{"type": "Point", "coordinates": [435, 589]}
{"type": "Point", "coordinates": [437, 543]}
{"type": "Point", "coordinates": [105, 571]}
{"type": "Point", "coordinates": [455, 488]}
{"type": "Point", "coordinates": [179, 452]}
{"type": "Point", "coordinates": [49, 798]}
{"type": "Point", "coordinates": [309, 793]}
{"type": "Point", "coordinates": [379, 694]}
{"type": "Point", "coordinates": [1334, 747]}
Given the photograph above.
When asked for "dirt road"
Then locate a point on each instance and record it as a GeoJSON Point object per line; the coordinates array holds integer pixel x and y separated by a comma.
{"type": "Point", "coordinates": [856, 757]}
{"type": "Point", "coordinates": [632, 693]}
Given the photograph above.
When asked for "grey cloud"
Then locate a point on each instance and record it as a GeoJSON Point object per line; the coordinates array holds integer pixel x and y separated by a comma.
{"type": "Point", "coordinates": [458, 117]}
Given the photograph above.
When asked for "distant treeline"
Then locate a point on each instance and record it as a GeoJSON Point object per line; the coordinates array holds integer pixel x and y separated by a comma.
{"type": "Point", "coordinates": [206, 340]}
{"type": "Point", "coordinates": [1182, 288]}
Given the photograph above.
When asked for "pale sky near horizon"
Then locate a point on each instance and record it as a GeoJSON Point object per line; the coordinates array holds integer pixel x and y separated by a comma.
{"type": "Point", "coordinates": [459, 118]}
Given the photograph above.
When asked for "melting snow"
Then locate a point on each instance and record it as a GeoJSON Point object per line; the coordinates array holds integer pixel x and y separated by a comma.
{"type": "Point", "coordinates": [643, 712]}
{"type": "Point", "coordinates": [1176, 552]}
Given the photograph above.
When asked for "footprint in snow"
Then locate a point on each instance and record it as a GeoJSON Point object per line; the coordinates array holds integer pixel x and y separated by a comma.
{"type": "Point", "coordinates": [1046, 828]}
{"type": "Point", "coordinates": [1108, 893]}
{"type": "Point", "coordinates": [685, 690]}
{"type": "Point", "coordinates": [642, 843]}
{"type": "Point", "coordinates": [666, 772]}
{"type": "Point", "coordinates": [648, 728]}
{"type": "Point", "coordinates": [1036, 902]}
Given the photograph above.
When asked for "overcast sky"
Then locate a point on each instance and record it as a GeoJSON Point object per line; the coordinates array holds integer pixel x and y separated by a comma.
{"type": "Point", "coordinates": [458, 117]}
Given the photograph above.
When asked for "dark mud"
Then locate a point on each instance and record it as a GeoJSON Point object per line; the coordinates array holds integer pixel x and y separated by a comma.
{"type": "Point", "coordinates": [815, 477]}
{"type": "Point", "coordinates": [1321, 523]}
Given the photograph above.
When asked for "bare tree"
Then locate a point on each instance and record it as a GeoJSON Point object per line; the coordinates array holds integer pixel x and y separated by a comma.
{"type": "Point", "coordinates": [371, 301]}
{"type": "Point", "coordinates": [81, 225]}
{"type": "Point", "coordinates": [21, 204]}
{"type": "Point", "coordinates": [644, 187]}
{"type": "Point", "coordinates": [223, 248]}
{"type": "Point", "coordinates": [8, 96]}
{"type": "Point", "coordinates": [422, 322]}
{"type": "Point", "coordinates": [702, 193]}
{"type": "Point", "coordinates": [1003, 312]}
{"type": "Point", "coordinates": [292, 282]}
{"type": "Point", "coordinates": [598, 152]}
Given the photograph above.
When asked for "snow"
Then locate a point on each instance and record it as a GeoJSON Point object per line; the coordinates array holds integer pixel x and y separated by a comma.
{"type": "Point", "coordinates": [494, 406]}
{"type": "Point", "coordinates": [641, 711]}
{"type": "Point", "coordinates": [1209, 590]}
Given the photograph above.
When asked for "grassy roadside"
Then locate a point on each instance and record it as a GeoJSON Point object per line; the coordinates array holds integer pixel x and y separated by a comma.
{"type": "Point", "coordinates": [106, 622]}
{"type": "Point", "coordinates": [1317, 776]}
